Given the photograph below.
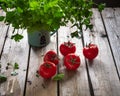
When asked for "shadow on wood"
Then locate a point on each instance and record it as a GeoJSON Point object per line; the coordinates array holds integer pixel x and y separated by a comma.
{"type": "Point", "coordinates": [109, 3]}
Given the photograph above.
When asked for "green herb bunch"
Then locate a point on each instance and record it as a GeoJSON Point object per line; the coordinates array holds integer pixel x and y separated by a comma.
{"type": "Point", "coordinates": [48, 14]}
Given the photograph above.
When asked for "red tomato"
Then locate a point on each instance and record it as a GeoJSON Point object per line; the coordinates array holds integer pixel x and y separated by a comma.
{"type": "Point", "coordinates": [52, 57]}
{"type": "Point", "coordinates": [72, 61]}
{"type": "Point", "coordinates": [67, 47]}
{"type": "Point", "coordinates": [90, 51]}
{"type": "Point", "coordinates": [47, 70]}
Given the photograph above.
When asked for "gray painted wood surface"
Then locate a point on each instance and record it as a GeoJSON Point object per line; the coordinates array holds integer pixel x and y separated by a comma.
{"type": "Point", "coordinates": [3, 32]}
{"type": "Point", "coordinates": [14, 52]}
{"type": "Point", "coordinates": [75, 83]}
{"type": "Point", "coordinates": [102, 70]}
{"type": "Point", "coordinates": [40, 86]}
{"type": "Point", "coordinates": [111, 19]}
{"type": "Point", "coordinates": [99, 77]}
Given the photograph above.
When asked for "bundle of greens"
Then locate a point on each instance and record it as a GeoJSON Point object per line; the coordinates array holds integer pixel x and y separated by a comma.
{"type": "Point", "coordinates": [48, 14]}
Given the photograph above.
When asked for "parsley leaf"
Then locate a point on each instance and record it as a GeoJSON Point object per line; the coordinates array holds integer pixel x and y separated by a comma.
{"type": "Point", "coordinates": [17, 37]}
{"type": "Point", "coordinates": [2, 78]}
{"type": "Point", "coordinates": [48, 14]}
{"type": "Point", "coordinates": [75, 34]}
{"type": "Point", "coordinates": [16, 66]}
{"type": "Point", "coordinates": [14, 73]}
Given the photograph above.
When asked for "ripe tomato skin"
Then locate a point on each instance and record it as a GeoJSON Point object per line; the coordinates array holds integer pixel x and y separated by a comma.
{"type": "Point", "coordinates": [47, 70]}
{"type": "Point", "coordinates": [72, 61]}
{"type": "Point", "coordinates": [67, 47]}
{"type": "Point", "coordinates": [90, 51]}
{"type": "Point", "coordinates": [52, 57]}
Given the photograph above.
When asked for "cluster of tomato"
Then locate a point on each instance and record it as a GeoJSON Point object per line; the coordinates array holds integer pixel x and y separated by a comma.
{"type": "Point", "coordinates": [71, 60]}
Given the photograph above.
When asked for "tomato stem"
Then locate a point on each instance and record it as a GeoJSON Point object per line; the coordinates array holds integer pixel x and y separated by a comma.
{"type": "Point", "coordinates": [47, 65]}
{"type": "Point", "coordinates": [73, 60]}
{"type": "Point", "coordinates": [69, 44]}
{"type": "Point", "coordinates": [88, 45]}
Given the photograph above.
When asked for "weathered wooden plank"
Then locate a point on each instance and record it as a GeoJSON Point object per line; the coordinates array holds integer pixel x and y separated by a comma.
{"type": "Point", "coordinates": [3, 31]}
{"type": "Point", "coordinates": [112, 23]}
{"type": "Point", "coordinates": [14, 52]}
{"type": "Point", "coordinates": [40, 86]}
{"type": "Point", "coordinates": [102, 70]}
{"type": "Point", "coordinates": [74, 83]}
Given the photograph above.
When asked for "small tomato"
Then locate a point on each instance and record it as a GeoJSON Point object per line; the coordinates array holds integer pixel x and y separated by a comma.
{"type": "Point", "coordinates": [67, 47]}
{"type": "Point", "coordinates": [52, 57]}
{"type": "Point", "coordinates": [90, 51]}
{"type": "Point", "coordinates": [72, 61]}
{"type": "Point", "coordinates": [47, 70]}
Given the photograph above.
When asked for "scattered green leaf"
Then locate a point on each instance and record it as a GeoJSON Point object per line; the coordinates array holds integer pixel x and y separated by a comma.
{"type": "Point", "coordinates": [37, 74]}
{"type": "Point", "coordinates": [75, 34]}
{"type": "Point", "coordinates": [59, 77]}
{"type": "Point", "coordinates": [2, 78]}
{"type": "Point", "coordinates": [17, 37]}
{"type": "Point", "coordinates": [16, 66]}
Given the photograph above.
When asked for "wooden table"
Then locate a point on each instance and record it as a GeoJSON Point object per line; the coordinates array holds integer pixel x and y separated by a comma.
{"type": "Point", "coordinates": [100, 77]}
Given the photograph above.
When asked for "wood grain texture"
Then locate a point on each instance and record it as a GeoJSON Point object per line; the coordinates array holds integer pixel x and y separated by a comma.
{"type": "Point", "coordinates": [3, 31]}
{"type": "Point", "coordinates": [14, 52]}
{"type": "Point", "coordinates": [102, 69]}
{"type": "Point", "coordinates": [38, 85]}
{"type": "Point", "coordinates": [75, 83]}
{"type": "Point", "coordinates": [111, 18]}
